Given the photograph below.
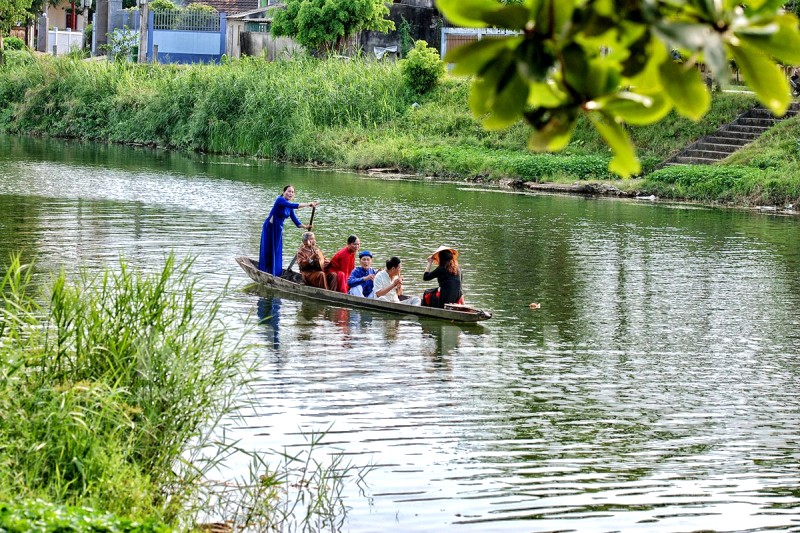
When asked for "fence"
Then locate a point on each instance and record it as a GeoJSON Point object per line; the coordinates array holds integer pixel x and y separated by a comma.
{"type": "Point", "coordinates": [452, 38]}
{"type": "Point", "coordinates": [63, 41]}
{"type": "Point", "coordinates": [186, 20]}
{"type": "Point", "coordinates": [186, 36]}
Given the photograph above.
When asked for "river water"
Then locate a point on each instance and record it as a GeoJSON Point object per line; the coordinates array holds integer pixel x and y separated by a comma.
{"type": "Point", "coordinates": [656, 389]}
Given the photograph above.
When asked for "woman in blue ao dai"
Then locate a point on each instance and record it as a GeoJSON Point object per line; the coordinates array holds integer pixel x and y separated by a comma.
{"type": "Point", "coordinates": [270, 259]}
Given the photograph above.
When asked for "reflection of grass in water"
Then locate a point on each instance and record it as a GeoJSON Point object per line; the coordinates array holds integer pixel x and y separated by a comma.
{"type": "Point", "coordinates": [111, 393]}
{"type": "Point", "coordinates": [302, 493]}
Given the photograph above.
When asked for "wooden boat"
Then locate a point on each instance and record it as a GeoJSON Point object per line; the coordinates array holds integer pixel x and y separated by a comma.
{"type": "Point", "coordinates": [455, 314]}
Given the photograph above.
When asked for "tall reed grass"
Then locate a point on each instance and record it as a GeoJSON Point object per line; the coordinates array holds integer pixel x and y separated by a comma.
{"type": "Point", "coordinates": [112, 387]}
{"type": "Point", "coordinates": [352, 113]}
{"type": "Point", "coordinates": [243, 107]}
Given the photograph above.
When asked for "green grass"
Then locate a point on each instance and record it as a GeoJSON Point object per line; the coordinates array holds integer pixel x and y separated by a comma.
{"type": "Point", "coordinates": [354, 114]}
{"type": "Point", "coordinates": [112, 386]}
{"type": "Point", "coordinates": [38, 515]}
{"type": "Point", "coordinates": [765, 172]}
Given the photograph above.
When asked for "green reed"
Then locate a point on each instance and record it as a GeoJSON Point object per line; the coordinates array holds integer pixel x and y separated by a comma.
{"type": "Point", "coordinates": [242, 107]}
{"type": "Point", "coordinates": [112, 389]}
{"type": "Point", "coordinates": [110, 385]}
{"type": "Point", "coordinates": [352, 113]}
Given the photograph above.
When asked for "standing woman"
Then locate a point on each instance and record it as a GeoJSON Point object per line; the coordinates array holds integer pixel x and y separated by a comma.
{"type": "Point", "coordinates": [448, 274]}
{"type": "Point", "coordinates": [270, 259]}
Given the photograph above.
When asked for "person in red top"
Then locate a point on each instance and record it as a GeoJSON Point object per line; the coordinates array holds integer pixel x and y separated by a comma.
{"type": "Point", "coordinates": [344, 261]}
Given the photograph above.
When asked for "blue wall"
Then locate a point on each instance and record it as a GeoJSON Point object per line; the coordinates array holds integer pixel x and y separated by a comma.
{"type": "Point", "coordinates": [181, 46]}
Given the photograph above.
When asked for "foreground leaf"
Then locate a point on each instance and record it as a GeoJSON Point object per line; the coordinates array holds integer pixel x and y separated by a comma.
{"type": "Point", "coordinates": [764, 77]}
{"type": "Point", "coordinates": [624, 161]}
{"type": "Point", "coordinates": [685, 88]}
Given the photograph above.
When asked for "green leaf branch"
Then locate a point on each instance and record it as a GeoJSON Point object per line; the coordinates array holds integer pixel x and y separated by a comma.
{"type": "Point", "coordinates": [612, 61]}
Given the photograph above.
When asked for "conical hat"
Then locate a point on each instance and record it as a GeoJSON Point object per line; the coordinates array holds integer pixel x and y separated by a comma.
{"type": "Point", "coordinates": [435, 255]}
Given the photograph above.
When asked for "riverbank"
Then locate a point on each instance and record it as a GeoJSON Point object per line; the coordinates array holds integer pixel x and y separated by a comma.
{"type": "Point", "coordinates": [359, 115]}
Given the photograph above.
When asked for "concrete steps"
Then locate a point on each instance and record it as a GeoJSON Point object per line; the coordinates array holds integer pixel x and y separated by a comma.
{"type": "Point", "coordinates": [730, 137]}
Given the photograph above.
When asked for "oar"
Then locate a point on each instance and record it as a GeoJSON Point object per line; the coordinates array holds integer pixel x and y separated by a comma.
{"type": "Point", "coordinates": [311, 220]}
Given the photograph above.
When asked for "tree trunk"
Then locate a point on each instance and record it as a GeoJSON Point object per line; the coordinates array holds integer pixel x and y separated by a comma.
{"type": "Point", "coordinates": [2, 51]}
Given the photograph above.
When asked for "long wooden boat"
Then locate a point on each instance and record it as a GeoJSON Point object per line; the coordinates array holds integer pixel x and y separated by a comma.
{"type": "Point", "coordinates": [250, 266]}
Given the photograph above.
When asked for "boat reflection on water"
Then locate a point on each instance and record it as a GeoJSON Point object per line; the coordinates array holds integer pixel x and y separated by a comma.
{"type": "Point", "coordinates": [446, 338]}
{"type": "Point", "coordinates": [269, 313]}
{"type": "Point", "coordinates": [351, 322]}
{"type": "Point", "coordinates": [439, 339]}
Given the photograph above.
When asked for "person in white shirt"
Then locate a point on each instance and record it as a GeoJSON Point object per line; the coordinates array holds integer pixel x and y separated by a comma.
{"type": "Point", "coordinates": [388, 284]}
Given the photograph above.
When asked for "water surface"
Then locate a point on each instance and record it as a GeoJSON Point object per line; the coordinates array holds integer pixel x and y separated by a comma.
{"type": "Point", "coordinates": [654, 390]}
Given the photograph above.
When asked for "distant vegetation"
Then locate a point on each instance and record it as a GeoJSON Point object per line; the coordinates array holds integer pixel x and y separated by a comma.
{"type": "Point", "coordinates": [355, 114]}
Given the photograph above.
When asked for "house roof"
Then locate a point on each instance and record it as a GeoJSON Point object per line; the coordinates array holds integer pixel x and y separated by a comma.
{"type": "Point", "coordinates": [230, 7]}
{"type": "Point", "coordinates": [254, 14]}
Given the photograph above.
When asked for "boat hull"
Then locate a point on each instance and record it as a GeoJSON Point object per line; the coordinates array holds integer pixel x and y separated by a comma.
{"type": "Point", "coordinates": [279, 284]}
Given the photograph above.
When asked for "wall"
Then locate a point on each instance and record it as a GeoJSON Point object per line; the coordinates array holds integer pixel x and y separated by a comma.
{"type": "Point", "coordinates": [425, 22]}
{"type": "Point", "coordinates": [260, 44]}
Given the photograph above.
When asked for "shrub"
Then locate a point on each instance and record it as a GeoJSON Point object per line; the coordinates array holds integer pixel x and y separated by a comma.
{"type": "Point", "coordinates": [14, 43]}
{"type": "Point", "coordinates": [14, 59]}
{"type": "Point", "coordinates": [706, 183]}
{"type": "Point", "coordinates": [422, 69]}
{"type": "Point", "coordinates": [121, 43]}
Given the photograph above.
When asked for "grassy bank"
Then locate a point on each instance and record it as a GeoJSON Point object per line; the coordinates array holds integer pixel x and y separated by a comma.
{"type": "Point", "coordinates": [112, 386]}
{"type": "Point", "coordinates": [353, 114]}
{"type": "Point", "coordinates": [765, 172]}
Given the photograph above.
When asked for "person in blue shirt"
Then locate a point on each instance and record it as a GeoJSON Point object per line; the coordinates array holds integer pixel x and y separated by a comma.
{"type": "Point", "coordinates": [362, 276]}
{"type": "Point", "coordinates": [270, 258]}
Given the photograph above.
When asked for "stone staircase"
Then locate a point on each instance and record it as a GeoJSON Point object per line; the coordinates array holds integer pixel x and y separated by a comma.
{"type": "Point", "coordinates": [730, 137]}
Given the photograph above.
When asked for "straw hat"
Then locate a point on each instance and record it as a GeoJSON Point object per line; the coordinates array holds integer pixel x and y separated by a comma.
{"type": "Point", "coordinates": [435, 255]}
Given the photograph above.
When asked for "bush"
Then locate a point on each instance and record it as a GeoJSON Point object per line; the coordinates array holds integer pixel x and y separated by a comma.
{"type": "Point", "coordinates": [121, 43]}
{"type": "Point", "coordinates": [14, 43]}
{"type": "Point", "coordinates": [13, 60]}
{"type": "Point", "coordinates": [422, 69]}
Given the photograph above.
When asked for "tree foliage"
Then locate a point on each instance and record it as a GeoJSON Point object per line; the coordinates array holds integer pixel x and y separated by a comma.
{"type": "Point", "coordinates": [163, 5]}
{"type": "Point", "coordinates": [324, 25]}
{"type": "Point", "coordinates": [610, 61]}
{"type": "Point", "coordinates": [12, 12]}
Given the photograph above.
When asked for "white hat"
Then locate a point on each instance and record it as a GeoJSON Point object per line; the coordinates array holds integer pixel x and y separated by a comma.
{"type": "Point", "coordinates": [435, 255]}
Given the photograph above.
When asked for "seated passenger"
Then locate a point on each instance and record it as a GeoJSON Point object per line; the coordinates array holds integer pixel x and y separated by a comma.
{"type": "Point", "coordinates": [311, 261]}
{"type": "Point", "coordinates": [361, 278]}
{"type": "Point", "coordinates": [344, 261]}
{"type": "Point", "coordinates": [388, 284]}
{"type": "Point", "coordinates": [448, 274]}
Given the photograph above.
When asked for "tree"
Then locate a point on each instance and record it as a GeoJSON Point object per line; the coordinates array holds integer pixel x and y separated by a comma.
{"type": "Point", "coordinates": [324, 25]}
{"type": "Point", "coordinates": [610, 61]}
{"type": "Point", "coordinates": [12, 12]}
